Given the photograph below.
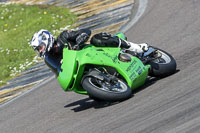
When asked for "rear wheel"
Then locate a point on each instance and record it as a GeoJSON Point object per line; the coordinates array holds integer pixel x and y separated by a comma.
{"type": "Point", "coordinates": [116, 90]}
{"type": "Point", "coordinates": [163, 66]}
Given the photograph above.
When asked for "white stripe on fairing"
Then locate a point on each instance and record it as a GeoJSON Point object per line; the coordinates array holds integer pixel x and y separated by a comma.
{"type": "Point", "coordinates": [140, 12]}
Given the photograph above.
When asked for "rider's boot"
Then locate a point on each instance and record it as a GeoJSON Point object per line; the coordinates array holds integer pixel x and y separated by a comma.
{"type": "Point", "coordinates": [138, 48]}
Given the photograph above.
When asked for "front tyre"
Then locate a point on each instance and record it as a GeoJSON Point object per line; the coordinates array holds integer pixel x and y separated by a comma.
{"type": "Point", "coordinates": [105, 91]}
{"type": "Point", "coordinates": [163, 66]}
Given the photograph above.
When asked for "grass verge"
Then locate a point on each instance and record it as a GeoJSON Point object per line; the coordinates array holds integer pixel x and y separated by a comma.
{"type": "Point", "coordinates": [17, 25]}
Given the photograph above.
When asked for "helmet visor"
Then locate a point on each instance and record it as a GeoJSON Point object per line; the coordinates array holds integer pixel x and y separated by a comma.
{"type": "Point", "coordinates": [40, 49]}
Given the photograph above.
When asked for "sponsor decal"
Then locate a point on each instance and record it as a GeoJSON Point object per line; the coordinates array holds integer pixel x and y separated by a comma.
{"type": "Point", "coordinates": [131, 65]}
{"type": "Point", "coordinates": [139, 70]}
{"type": "Point", "coordinates": [114, 59]}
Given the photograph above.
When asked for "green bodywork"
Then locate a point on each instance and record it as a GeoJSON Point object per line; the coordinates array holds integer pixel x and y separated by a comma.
{"type": "Point", "coordinates": [74, 63]}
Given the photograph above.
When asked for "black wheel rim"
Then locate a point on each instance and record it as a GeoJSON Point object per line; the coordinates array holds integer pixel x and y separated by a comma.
{"type": "Point", "coordinates": [164, 59]}
{"type": "Point", "coordinates": [116, 86]}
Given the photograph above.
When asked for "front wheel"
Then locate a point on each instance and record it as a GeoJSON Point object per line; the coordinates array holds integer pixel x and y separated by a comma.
{"type": "Point", "coordinates": [116, 90]}
{"type": "Point", "coordinates": [163, 66]}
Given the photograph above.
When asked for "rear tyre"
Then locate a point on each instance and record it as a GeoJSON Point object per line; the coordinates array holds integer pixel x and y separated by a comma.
{"type": "Point", "coordinates": [163, 66]}
{"type": "Point", "coordinates": [105, 91]}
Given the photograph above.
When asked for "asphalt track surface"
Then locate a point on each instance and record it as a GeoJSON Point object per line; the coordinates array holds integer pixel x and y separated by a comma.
{"type": "Point", "coordinates": [169, 105]}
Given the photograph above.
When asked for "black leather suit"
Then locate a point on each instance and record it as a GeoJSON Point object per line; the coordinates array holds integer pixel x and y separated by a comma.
{"type": "Point", "coordinates": [75, 40]}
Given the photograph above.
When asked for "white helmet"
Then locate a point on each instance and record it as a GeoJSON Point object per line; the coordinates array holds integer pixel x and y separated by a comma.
{"type": "Point", "coordinates": [42, 42]}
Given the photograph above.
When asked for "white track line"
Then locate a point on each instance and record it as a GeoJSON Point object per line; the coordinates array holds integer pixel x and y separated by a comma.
{"type": "Point", "coordinates": [29, 90]}
{"type": "Point", "coordinates": [140, 12]}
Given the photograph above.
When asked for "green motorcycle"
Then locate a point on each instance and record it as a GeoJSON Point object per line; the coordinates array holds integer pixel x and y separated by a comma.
{"type": "Point", "coordinates": [109, 74]}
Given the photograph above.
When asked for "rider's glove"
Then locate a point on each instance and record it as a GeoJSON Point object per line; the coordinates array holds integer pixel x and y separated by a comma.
{"type": "Point", "coordinates": [76, 47]}
{"type": "Point", "coordinates": [82, 38]}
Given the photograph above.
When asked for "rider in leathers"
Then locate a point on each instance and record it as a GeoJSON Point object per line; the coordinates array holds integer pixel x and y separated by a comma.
{"type": "Point", "coordinates": [45, 44]}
